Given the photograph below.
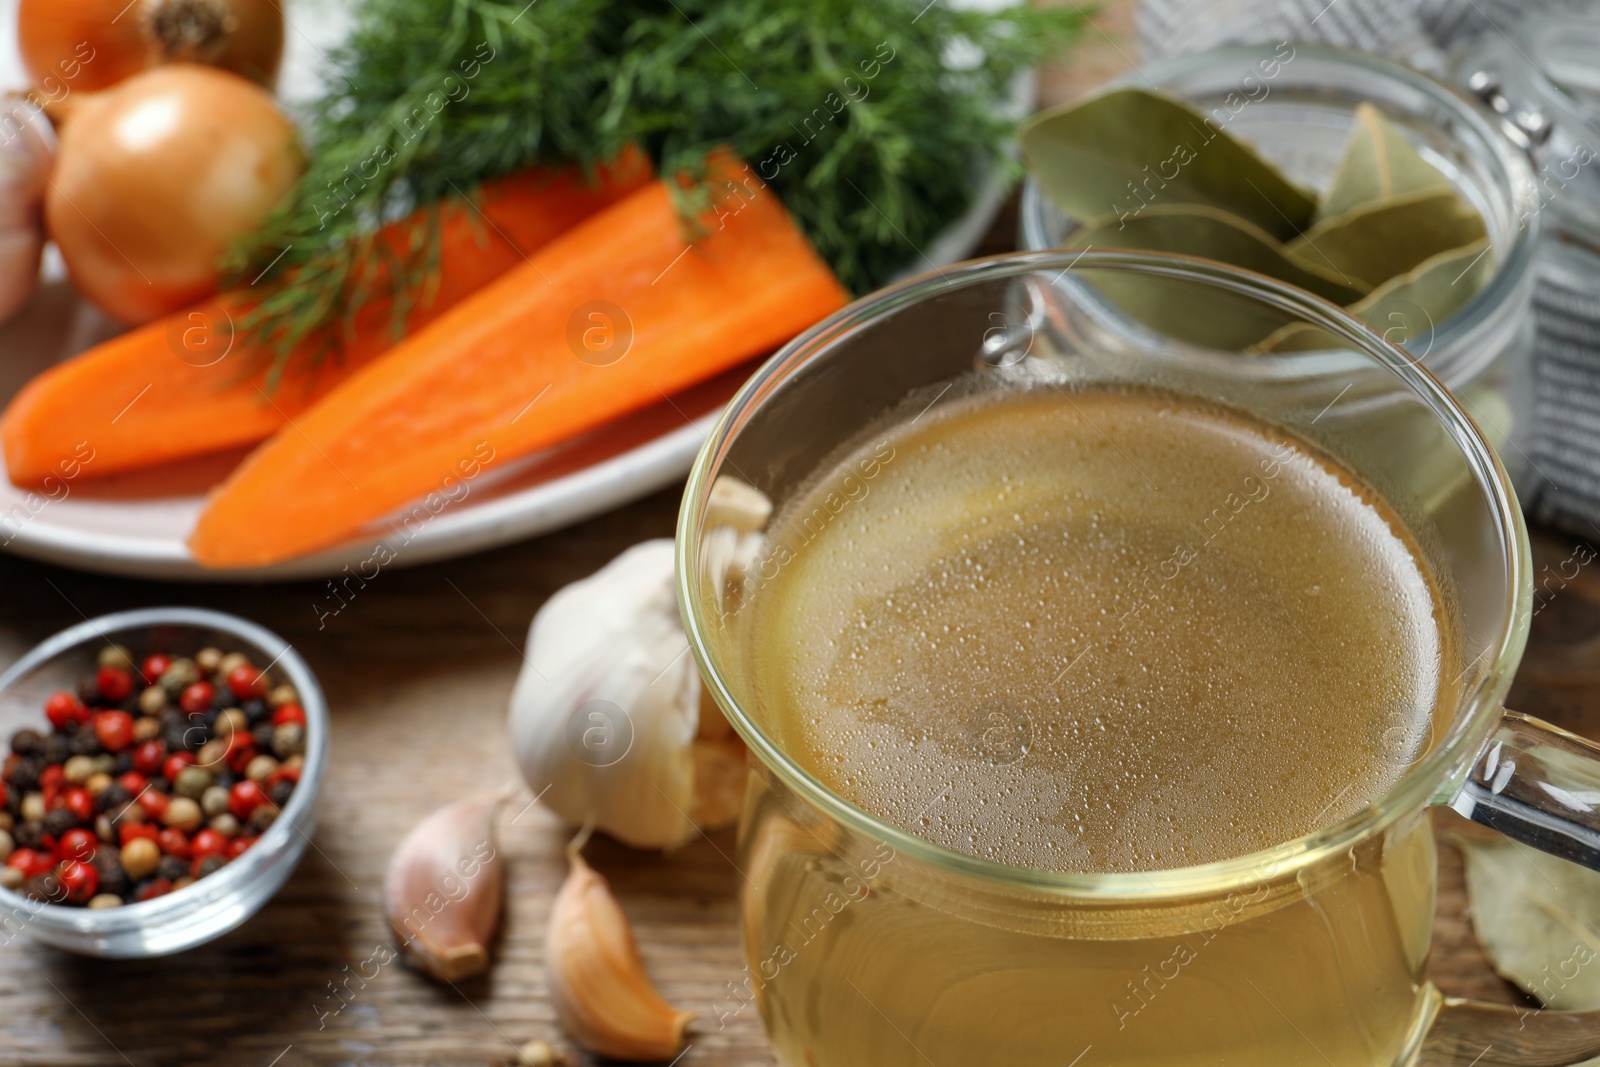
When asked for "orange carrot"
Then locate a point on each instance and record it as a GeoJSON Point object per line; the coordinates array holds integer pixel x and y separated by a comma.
{"type": "Point", "coordinates": [173, 389]}
{"type": "Point", "coordinates": [616, 314]}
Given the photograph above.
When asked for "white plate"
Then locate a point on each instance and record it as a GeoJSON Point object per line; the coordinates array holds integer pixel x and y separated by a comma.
{"type": "Point", "coordinates": [136, 524]}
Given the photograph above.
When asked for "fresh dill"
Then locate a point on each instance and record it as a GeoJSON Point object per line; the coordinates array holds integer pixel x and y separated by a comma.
{"type": "Point", "coordinates": [867, 117]}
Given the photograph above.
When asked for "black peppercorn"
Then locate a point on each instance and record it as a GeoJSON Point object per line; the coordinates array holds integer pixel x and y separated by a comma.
{"type": "Point", "coordinates": [88, 691]}
{"type": "Point", "coordinates": [59, 821]}
{"type": "Point", "coordinates": [54, 748]}
{"type": "Point", "coordinates": [27, 834]}
{"type": "Point", "coordinates": [210, 865]}
{"type": "Point", "coordinates": [170, 717]}
{"type": "Point", "coordinates": [25, 741]}
{"type": "Point", "coordinates": [83, 741]}
{"type": "Point", "coordinates": [261, 734]}
{"type": "Point", "coordinates": [113, 797]}
{"type": "Point", "coordinates": [256, 711]}
{"type": "Point", "coordinates": [24, 776]}
{"type": "Point", "coordinates": [124, 763]}
{"type": "Point", "coordinates": [113, 879]}
{"type": "Point", "coordinates": [280, 791]}
{"type": "Point", "coordinates": [171, 868]}
{"type": "Point", "coordinates": [46, 888]}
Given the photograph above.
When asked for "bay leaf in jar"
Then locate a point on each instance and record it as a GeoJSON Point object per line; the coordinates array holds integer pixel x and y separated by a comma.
{"type": "Point", "coordinates": [1405, 307]}
{"type": "Point", "coordinates": [1198, 230]}
{"type": "Point", "coordinates": [1382, 239]}
{"type": "Point", "coordinates": [1377, 163]}
{"type": "Point", "coordinates": [1119, 153]}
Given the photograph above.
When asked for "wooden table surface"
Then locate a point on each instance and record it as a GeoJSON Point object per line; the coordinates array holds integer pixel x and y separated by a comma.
{"type": "Point", "coordinates": [418, 669]}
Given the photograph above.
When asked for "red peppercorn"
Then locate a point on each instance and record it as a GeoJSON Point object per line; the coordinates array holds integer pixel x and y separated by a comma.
{"type": "Point", "coordinates": [32, 862]}
{"type": "Point", "coordinates": [63, 709]}
{"type": "Point", "coordinates": [207, 843]}
{"type": "Point", "coordinates": [79, 880]}
{"type": "Point", "coordinates": [148, 756]}
{"type": "Point", "coordinates": [239, 757]}
{"type": "Point", "coordinates": [129, 830]}
{"type": "Point", "coordinates": [5, 795]}
{"type": "Point", "coordinates": [245, 797]}
{"type": "Point", "coordinates": [286, 713]}
{"type": "Point", "coordinates": [154, 667]}
{"type": "Point", "coordinates": [246, 682]}
{"type": "Point", "coordinates": [154, 802]}
{"type": "Point", "coordinates": [175, 765]}
{"type": "Point", "coordinates": [156, 887]}
{"type": "Point", "coordinates": [174, 843]}
{"type": "Point", "coordinates": [134, 782]}
{"type": "Point", "coordinates": [50, 782]}
{"type": "Point", "coordinates": [113, 729]}
{"type": "Point", "coordinates": [78, 845]}
{"type": "Point", "coordinates": [78, 801]}
{"type": "Point", "coordinates": [283, 774]}
{"type": "Point", "coordinates": [114, 683]}
{"type": "Point", "coordinates": [197, 698]}
{"type": "Point", "coordinates": [237, 846]}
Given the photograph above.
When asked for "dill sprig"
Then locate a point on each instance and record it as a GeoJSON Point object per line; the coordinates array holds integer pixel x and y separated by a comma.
{"type": "Point", "coordinates": [865, 116]}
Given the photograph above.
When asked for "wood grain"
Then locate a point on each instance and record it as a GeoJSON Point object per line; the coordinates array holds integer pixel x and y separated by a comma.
{"type": "Point", "coordinates": [418, 669]}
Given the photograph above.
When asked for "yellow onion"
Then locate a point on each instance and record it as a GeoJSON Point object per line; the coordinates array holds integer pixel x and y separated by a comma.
{"type": "Point", "coordinates": [156, 176]}
{"type": "Point", "coordinates": [85, 45]}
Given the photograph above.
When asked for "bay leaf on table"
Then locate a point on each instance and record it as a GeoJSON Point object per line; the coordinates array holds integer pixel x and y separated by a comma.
{"type": "Point", "coordinates": [1405, 307]}
{"type": "Point", "coordinates": [1377, 163]}
{"type": "Point", "coordinates": [1383, 239]}
{"type": "Point", "coordinates": [1538, 919]}
{"type": "Point", "coordinates": [1198, 314]}
{"type": "Point", "coordinates": [1117, 153]}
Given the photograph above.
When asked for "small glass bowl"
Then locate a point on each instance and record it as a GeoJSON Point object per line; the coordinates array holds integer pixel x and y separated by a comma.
{"type": "Point", "coordinates": [217, 903]}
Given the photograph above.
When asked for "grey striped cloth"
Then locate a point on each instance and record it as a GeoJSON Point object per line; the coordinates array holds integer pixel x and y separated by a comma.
{"type": "Point", "coordinates": [1564, 445]}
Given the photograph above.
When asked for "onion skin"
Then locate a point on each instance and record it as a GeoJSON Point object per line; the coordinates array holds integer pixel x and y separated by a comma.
{"type": "Point", "coordinates": [156, 176]}
{"type": "Point", "coordinates": [89, 45]}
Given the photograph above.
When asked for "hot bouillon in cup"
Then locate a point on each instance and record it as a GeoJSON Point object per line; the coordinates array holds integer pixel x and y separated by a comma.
{"type": "Point", "coordinates": [1100, 682]}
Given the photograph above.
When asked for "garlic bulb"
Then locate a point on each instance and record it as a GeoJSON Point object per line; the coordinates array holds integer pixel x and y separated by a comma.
{"type": "Point", "coordinates": [442, 892]}
{"type": "Point", "coordinates": [24, 167]}
{"type": "Point", "coordinates": [601, 990]}
{"type": "Point", "coordinates": [609, 720]}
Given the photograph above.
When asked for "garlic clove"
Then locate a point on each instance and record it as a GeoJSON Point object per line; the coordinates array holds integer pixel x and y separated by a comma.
{"type": "Point", "coordinates": [540, 1054]}
{"type": "Point", "coordinates": [25, 160]}
{"type": "Point", "coordinates": [443, 888]}
{"type": "Point", "coordinates": [737, 504]}
{"type": "Point", "coordinates": [601, 990]}
{"type": "Point", "coordinates": [721, 770]}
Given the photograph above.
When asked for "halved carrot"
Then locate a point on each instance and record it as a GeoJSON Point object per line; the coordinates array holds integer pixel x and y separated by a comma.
{"type": "Point", "coordinates": [166, 391]}
{"type": "Point", "coordinates": [616, 314]}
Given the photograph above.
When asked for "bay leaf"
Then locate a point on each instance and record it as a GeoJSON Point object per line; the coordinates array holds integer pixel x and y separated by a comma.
{"type": "Point", "coordinates": [1377, 163]}
{"type": "Point", "coordinates": [1538, 920]}
{"type": "Point", "coordinates": [1202, 315]}
{"type": "Point", "coordinates": [1116, 154]}
{"type": "Point", "coordinates": [1382, 239]}
{"type": "Point", "coordinates": [1199, 230]}
{"type": "Point", "coordinates": [1405, 307]}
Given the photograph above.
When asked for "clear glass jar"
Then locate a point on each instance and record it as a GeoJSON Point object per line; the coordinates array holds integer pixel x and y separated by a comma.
{"type": "Point", "coordinates": [1296, 104]}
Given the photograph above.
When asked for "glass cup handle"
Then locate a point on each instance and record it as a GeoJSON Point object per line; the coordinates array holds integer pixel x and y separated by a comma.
{"type": "Point", "coordinates": [1540, 785]}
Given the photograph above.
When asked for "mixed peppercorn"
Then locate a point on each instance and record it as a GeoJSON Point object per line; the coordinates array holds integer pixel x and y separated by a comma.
{"type": "Point", "coordinates": [153, 774]}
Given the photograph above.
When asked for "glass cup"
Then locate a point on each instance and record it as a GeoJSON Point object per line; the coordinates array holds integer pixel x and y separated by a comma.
{"type": "Point", "coordinates": [868, 945]}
